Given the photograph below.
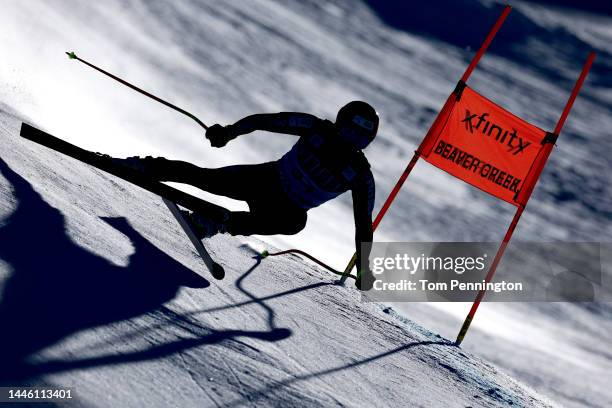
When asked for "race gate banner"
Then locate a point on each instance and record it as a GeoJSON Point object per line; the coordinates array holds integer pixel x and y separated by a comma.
{"type": "Point", "coordinates": [484, 145]}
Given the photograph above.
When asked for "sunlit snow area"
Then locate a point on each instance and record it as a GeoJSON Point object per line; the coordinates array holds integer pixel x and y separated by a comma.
{"type": "Point", "coordinates": [225, 60]}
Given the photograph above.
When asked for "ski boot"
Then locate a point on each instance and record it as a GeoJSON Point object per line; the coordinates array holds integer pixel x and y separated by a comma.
{"type": "Point", "coordinates": [206, 227]}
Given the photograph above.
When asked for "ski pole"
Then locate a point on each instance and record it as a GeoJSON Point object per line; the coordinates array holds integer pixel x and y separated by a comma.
{"type": "Point", "coordinates": [72, 55]}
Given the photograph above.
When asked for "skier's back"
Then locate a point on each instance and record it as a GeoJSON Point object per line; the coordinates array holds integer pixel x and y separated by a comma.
{"type": "Point", "coordinates": [325, 162]}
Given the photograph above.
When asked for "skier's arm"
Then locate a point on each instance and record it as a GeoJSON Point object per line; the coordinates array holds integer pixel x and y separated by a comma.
{"type": "Point", "coordinates": [363, 205]}
{"type": "Point", "coordinates": [293, 123]}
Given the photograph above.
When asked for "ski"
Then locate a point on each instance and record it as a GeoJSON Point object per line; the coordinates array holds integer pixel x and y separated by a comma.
{"type": "Point", "coordinates": [215, 269]}
{"type": "Point", "coordinates": [171, 195]}
{"type": "Point", "coordinates": [104, 163]}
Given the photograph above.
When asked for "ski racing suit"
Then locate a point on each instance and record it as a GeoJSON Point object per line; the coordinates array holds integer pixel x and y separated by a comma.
{"type": "Point", "coordinates": [317, 169]}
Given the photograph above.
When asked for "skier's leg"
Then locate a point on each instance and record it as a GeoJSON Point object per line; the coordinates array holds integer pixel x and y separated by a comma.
{"type": "Point", "coordinates": [271, 213]}
{"type": "Point", "coordinates": [240, 182]}
{"type": "Point", "coordinates": [268, 223]}
{"type": "Point", "coordinates": [276, 219]}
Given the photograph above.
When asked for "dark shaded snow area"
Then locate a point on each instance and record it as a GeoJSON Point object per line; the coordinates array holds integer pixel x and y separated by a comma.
{"type": "Point", "coordinates": [101, 291]}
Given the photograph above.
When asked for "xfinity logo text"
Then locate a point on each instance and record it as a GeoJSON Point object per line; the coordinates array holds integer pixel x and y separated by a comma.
{"type": "Point", "coordinates": [515, 143]}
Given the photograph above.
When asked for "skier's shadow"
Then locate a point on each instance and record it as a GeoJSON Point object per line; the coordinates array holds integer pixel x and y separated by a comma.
{"type": "Point", "coordinates": [56, 288]}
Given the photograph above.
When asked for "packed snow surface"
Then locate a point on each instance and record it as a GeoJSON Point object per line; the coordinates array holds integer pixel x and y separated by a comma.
{"type": "Point", "coordinates": [103, 292]}
{"type": "Point", "coordinates": [225, 60]}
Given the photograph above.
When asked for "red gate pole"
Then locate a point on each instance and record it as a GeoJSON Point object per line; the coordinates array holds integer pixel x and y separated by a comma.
{"type": "Point", "coordinates": [446, 110]}
{"type": "Point", "coordinates": [490, 273]}
{"type": "Point", "coordinates": [524, 195]}
{"type": "Point", "coordinates": [570, 102]}
{"type": "Point", "coordinates": [485, 44]}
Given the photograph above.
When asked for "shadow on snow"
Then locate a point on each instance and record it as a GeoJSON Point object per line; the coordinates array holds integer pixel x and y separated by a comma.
{"type": "Point", "coordinates": [57, 288]}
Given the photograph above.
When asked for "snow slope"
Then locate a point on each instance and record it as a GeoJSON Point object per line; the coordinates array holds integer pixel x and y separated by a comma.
{"type": "Point", "coordinates": [223, 60]}
{"type": "Point", "coordinates": [101, 292]}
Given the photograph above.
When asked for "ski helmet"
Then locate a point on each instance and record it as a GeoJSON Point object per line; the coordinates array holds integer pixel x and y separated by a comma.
{"type": "Point", "coordinates": [357, 123]}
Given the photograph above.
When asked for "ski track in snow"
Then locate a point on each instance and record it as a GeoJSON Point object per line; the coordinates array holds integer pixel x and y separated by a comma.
{"type": "Point", "coordinates": [224, 61]}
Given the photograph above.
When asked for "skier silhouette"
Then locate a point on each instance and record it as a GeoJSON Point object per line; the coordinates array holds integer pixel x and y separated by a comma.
{"type": "Point", "coordinates": [326, 161]}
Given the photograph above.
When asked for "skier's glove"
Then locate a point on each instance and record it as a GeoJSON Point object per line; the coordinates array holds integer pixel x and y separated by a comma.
{"type": "Point", "coordinates": [365, 279]}
{"type": "Point", "coordinates": [219, 135]}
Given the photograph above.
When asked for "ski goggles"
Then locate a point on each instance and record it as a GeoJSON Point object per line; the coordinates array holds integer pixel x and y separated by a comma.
{"type": "Point", "coordinates": [358, 137]}
{"type": "Point", "coordinates": [363, 122]}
